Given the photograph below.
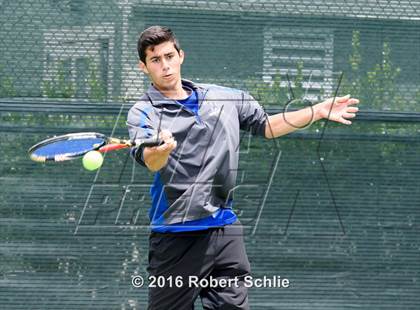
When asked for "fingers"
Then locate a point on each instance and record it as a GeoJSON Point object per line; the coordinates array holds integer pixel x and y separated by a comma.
{"type": "Point", "coordinates": [342, 99]}
{"type": "Point", "coordinates": [350, 112]}
{"type": "Point", "coordinates": [352, 109]}
{"type": "Point", "coordinates": [353, 101]}
{"type": "Point", "coordinates": [169, 143]}
{"type": "Point", "coordinates": [349, 115]}
{"type": "Point", "coordinates": [346, 99]}
{"type": "Point", "coordinates": [165, 134]}
{"type": "Point", "coordinates": [167, 146]}
{"type": "Point", "coordinates": [344, 121]}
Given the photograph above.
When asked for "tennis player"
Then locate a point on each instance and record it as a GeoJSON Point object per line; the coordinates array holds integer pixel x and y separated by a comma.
{"type": "Point", "coordinates": [195, 234]}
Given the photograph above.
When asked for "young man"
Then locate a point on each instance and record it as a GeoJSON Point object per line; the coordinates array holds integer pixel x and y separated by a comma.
{"type": "Point", "coordinates": [195, 233]}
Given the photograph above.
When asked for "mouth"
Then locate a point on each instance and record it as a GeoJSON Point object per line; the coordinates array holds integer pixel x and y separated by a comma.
{"type": "Point", "coordinates": [168, 76]}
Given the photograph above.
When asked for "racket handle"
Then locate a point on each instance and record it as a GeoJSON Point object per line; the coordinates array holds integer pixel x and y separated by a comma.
{"type": "Point", "coordinates": [112, 147]}
{"type": "Point", "coordinates": [149, 142]}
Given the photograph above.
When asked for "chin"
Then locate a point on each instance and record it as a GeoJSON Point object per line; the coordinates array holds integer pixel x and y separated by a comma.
{"type": "Point", "coordinates": [168, 85]}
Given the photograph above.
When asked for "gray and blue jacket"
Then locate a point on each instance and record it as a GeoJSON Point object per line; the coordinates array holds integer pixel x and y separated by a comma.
{"type": "Point", "coordinates": [194, 190]}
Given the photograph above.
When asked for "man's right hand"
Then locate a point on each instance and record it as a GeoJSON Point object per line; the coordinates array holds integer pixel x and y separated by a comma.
{"type": "Point", "coordinates": [169, 143]}
{"type": "Point", "coordinates": [156, 157]}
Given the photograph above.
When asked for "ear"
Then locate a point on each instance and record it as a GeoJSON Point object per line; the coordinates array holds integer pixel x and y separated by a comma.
{"type": "Point", "coordinates": [181, 56]}
{"type": "Point", "coordinates": [143, 67]}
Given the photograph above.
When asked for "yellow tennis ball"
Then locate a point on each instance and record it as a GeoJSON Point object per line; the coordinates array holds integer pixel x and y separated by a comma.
{"type": "Point", "coordinates": [92, 160]}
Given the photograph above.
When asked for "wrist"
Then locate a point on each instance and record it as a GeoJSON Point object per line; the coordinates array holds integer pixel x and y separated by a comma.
{"type": "Point", "coordinates": [318, 112]}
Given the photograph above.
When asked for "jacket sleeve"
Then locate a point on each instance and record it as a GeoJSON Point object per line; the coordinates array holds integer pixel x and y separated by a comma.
{"type": "Point", "coordinates": [140, 126]}
{"type": "Point", "coordinates": [252, 116]}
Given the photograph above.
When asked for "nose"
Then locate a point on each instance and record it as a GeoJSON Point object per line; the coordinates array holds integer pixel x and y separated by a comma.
{"type": "Point", "coordinates": [165, 65]}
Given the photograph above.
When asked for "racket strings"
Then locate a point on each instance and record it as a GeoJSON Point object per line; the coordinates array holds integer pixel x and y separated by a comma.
{"type": "Point", "coordinates": [64, 149]}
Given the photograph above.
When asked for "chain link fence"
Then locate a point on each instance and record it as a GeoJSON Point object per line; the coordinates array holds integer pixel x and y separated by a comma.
{"type": "Point", "coordinates": [341, 219]}
{"type": "Point", "coordinates": [86, 50]}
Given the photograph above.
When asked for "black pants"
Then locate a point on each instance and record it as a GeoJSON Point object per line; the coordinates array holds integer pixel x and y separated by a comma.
{"type": "Point", "coordinates": [216, 253]}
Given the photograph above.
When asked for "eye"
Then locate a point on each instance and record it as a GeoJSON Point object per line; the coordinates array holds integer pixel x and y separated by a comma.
{"type": "Point", "coordinates": [155, 60]}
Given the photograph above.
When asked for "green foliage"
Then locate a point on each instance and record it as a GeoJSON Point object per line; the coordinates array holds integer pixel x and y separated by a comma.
{"type": "Point", "coordinates": [268, 93]}
{"type": "Point", "coordinates": [417, 96]}
{"type": "Point", "coordinates": [277, 93]}
{"type": "Point", "coordinates": [352, 83]}
{"type": "Point", "coordinates": [377, 88]}
{"type": "Point", "coordinates": [97, 89]}
{"type": "Point", "coordinates": [381, 83]}
{"type": "Point", "coordinates": [298, 90]}
{"type": "Point", "coordinates": [64, 86]}
{"type": "Point", "coordinates": [7, 88]}
{"type": "Point", "coordinates": [60, 86]}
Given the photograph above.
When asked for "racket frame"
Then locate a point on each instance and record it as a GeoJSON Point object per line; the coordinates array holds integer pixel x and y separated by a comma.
{"type": "Point", "coordinates": [108, 144]}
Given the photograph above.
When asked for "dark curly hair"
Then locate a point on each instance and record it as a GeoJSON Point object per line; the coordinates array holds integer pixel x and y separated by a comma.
{"type": "Point", "coordinates": [153, 36]}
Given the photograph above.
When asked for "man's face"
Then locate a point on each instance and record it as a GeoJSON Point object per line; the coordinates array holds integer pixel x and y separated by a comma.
{"type": "Point", "coordinates": [163, 65]}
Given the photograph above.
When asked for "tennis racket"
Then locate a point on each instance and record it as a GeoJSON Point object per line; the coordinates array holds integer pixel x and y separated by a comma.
{"type": "Point", "coordinates": [75, 145]}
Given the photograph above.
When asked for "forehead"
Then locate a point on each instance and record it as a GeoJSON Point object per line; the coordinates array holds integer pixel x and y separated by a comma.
{"type": "Point", "coordinates": [160, 49]}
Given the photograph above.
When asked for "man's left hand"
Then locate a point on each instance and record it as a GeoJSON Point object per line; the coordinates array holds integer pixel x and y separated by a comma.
{"type": "Point", "coordinates": [341, 110]}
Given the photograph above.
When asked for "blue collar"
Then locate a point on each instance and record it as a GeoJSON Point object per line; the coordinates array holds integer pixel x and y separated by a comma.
{"type": "Point", "coordinates": [158, 99]}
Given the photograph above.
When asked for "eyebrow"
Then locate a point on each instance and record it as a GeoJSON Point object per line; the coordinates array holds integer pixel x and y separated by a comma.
{"type": "Point", "coordinates": [157, 57]}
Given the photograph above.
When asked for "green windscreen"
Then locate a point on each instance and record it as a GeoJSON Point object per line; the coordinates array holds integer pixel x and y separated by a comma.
{"type": "Point", "coordinates": [334, 209]}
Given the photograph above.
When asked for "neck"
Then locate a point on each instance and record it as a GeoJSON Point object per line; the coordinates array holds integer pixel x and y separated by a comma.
{"type": "Point", "coordinates": [175, 93]}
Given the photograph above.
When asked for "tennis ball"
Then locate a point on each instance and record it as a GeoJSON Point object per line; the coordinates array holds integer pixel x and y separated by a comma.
{"type": "Point", "coordinates": [92, 160]}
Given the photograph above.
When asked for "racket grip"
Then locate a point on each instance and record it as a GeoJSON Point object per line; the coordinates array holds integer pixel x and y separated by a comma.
{"type": "Point", "coordinates": [150, 142]}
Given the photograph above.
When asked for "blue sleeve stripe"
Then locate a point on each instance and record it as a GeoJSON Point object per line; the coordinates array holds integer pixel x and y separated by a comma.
{"type": "Point", "coordinates": [143, 116]}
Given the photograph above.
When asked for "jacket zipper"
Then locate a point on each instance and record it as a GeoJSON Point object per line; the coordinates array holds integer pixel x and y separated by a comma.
{"type": "Point", "coordinates": [199, 106]}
